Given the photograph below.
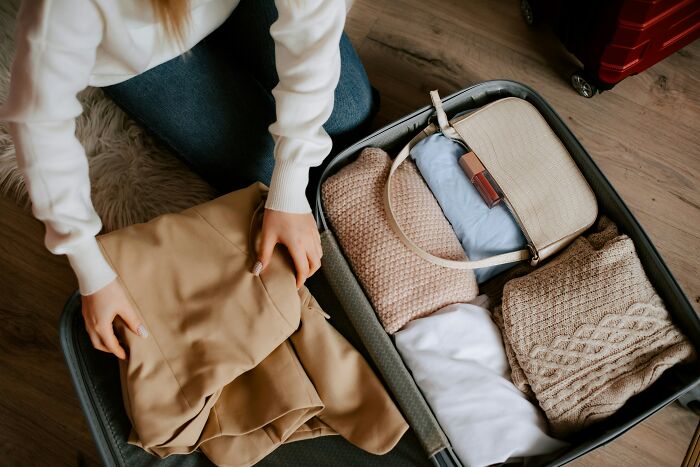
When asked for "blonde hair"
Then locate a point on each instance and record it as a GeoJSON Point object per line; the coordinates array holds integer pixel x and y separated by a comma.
{"type": "Point", "coordinates": [174, 14]}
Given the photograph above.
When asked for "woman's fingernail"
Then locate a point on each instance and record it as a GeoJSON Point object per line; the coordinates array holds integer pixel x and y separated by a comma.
{"type": "Point", "coordinates": [142, 331]}
{"type": "Point", "coordinates": [257, 267]}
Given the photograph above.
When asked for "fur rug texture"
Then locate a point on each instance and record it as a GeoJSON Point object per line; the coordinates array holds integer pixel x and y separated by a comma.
{"type": "Point", "coordinates": [134, 178]}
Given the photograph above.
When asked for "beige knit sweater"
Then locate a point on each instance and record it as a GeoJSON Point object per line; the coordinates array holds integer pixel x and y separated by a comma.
{"type": "Point", "coordinates": [587, 331]}
{"type": "Point", "coordinates": [401, 285]}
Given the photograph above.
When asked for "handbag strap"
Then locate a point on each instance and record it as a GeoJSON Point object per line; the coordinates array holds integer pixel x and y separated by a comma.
{"type": "Point", "coordinates": [511, 257]}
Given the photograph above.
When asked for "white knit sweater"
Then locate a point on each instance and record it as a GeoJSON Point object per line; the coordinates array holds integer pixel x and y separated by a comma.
{"type": "Point", "coordinates": [65, 45]}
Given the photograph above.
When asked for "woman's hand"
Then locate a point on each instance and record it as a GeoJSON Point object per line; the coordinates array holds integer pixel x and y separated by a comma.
{"type": "Point", "coordinates": [298, 232]}
{"type": "Point", "coordinates": [99, 311]}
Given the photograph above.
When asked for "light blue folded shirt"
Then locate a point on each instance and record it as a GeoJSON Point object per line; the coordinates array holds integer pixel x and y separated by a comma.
{"type": "Point", "coordinates": [483, 232]}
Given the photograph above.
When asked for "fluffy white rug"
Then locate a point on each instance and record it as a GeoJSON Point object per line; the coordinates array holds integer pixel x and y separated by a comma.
{"type": "Point", "coordinates": [134, 178]}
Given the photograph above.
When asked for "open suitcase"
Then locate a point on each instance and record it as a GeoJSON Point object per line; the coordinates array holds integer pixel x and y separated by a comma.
{"type": "Point", "coordinates": [673, 383]}
{"type": "Point", "coordinates": [96, 377]}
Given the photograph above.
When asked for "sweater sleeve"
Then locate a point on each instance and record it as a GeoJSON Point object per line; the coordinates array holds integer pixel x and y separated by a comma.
{"type": "Point", "coordinates": [307, 56]}
{"type": "Point", "coordinates": [56, 49]}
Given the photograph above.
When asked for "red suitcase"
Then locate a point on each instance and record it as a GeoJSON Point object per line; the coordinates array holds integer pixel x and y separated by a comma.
{"type": "Point", "coordinates": [616, 38]}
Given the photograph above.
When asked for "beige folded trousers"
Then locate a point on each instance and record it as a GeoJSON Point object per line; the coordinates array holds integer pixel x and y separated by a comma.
{"type": "Point", "coordinates": [235, 364]}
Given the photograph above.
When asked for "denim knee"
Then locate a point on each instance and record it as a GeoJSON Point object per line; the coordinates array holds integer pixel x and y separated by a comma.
{"type": "Point", "coordinates": [354, 103]}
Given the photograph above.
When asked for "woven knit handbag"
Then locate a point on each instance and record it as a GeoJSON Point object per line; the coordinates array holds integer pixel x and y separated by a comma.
{"type": "Point", "coordinates": [538, 180]}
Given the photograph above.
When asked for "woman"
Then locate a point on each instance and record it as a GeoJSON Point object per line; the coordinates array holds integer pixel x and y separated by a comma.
{"type": "Point", "coordinates": [246, 66]}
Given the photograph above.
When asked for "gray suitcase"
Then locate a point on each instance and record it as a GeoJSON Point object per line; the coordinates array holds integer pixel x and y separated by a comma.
{"type": "Point", "coordinates": [673, 383]}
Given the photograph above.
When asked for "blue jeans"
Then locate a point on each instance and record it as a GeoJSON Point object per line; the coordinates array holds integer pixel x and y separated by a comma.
{"type": "Point", "coordinates": [213, 105]}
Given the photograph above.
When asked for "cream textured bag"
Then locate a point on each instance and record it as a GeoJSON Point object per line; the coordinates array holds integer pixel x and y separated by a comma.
{"type": "Point", "coordinates": [540, 182]}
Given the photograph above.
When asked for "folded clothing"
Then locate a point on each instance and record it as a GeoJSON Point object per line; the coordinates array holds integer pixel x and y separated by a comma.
{"type": "Point", "coordinates": [587, 331]}
{"type": "Point", "coordinates": [235, 364]}
{"type": "Point", "coordinates": [457, 359]}
{"type": "Point", "coordinates": [400, 284]}
{"type": "Point", "coordinates": [483, 232]}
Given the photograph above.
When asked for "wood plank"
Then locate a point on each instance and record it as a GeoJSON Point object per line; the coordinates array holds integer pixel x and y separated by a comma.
{"type": "Point", "coordinates": [38, 406]}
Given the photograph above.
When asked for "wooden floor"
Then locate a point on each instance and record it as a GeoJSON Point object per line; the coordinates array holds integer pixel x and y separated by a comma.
{"type": "Point", "coordinates": [645, 135]}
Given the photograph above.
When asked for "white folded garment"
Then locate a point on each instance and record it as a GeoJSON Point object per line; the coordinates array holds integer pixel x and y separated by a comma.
{"type": "Point", "coordinates": [457, 359]}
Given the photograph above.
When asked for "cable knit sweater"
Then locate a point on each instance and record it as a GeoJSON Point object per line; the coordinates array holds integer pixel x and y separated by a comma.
{"type": "Point", "coordinates": [64, 46]}
{"type": "Point", "coordinates": [587, 331]}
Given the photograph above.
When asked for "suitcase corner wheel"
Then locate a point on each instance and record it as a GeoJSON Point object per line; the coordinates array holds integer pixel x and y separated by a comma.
{"type": "Point", "coordinates": [583, 84]}
{"type": "Point", "coordinates": [691, 400]}
{"type": "Point", "coordinates": [528, 12]}
{"type": "Point", "coordinates": [581, 81]}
